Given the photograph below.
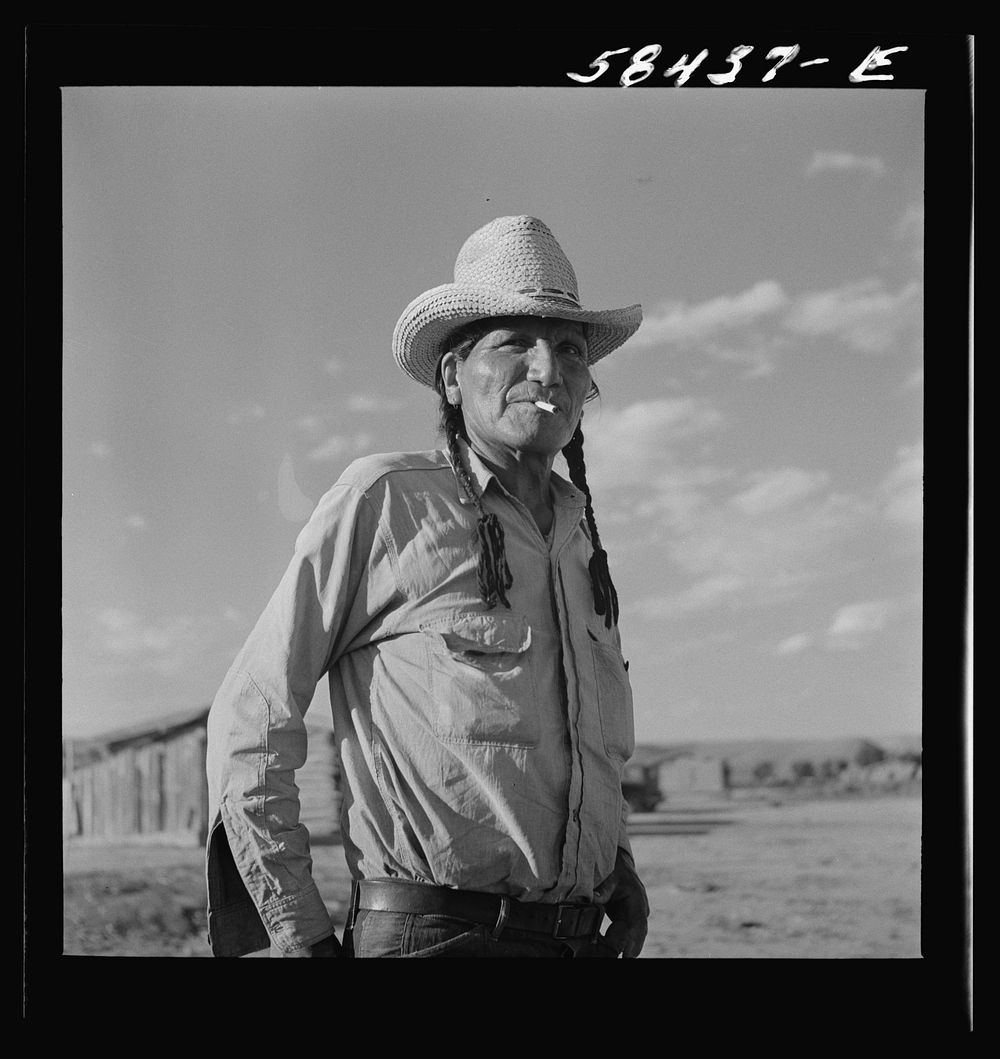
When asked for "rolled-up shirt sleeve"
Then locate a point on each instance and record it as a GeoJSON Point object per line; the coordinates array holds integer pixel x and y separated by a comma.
{"type": "Point", "coordinates": [259, 867]}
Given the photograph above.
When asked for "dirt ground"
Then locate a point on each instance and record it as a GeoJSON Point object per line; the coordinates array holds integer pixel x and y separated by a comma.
{"type": "Point", "coordinates": [827, 879]}
{"type": "Point", "coordinates": [822, 879]}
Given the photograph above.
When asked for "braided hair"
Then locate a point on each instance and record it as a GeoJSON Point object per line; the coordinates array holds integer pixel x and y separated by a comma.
{"type": "Point", "coordinates": [493, 573]}
{"type": "Point", "coordinates": [605, 594]}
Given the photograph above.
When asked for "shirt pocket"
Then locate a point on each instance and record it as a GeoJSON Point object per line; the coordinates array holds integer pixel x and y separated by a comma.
{"type": "Point", "coordinates": [614, 700]}
{"type": "Point", "coordinates": [480, 682]}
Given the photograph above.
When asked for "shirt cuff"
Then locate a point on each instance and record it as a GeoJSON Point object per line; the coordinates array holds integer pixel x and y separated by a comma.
{"type": "Point", "coordinates": [297, 921]}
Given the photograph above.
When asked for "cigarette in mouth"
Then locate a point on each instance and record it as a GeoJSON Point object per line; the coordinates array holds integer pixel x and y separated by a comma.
{"type": "Point", "coordinates": [545, 406]}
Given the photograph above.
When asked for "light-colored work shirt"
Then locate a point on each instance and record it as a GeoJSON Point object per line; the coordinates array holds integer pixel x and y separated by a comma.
{"type": "Point", "coordinates": [480, 749]}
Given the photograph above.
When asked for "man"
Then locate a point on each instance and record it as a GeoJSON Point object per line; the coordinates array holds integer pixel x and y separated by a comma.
{"type": "Point", "coordinates": [461, 606]}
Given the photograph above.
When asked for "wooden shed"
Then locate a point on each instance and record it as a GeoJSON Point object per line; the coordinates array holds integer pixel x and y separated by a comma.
{"type": "Point", "coordinates": [319, 782]}
{"type": "Point", "coordinates": [147, 784]}
{"type": "Point", "coordinates": [140, 784]}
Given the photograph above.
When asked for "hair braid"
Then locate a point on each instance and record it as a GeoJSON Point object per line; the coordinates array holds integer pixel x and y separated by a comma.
{"type": "Point", "coordinates": [605, 595]}
{"type": "Point", "coordinates": [493, 573]}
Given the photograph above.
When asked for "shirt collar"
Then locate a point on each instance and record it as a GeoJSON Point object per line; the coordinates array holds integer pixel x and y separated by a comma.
{"type": "Point", "coordinates": [564, 493]}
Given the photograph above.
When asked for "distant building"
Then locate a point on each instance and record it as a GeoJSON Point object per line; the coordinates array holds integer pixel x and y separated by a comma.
{"type": "Point", "coordinates": [692, 776]}
{"type": "Point", "coordinates": [893, 774]}
{"type": "Point", "coordinates": [657, 774]}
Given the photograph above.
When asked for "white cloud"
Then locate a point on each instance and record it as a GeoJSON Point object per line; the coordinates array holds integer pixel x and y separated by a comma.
{"type": "Point", "coordinates": [668, 418]}
{"type": "Point", "coordinates": [757, 540]}
{"type": "Point", "coordinates": [902, 489]}
{"type": "Point", "coordinates": [363, 402]}
{"type": "Point", "coordinates": [334, 366]}
{"type": "Point", "coordinates": [778, 537]}
{"type": "Point", "coordinates": [915, 380]}
{"type": "Point", "coordinates": [677, 494]}
{"type": "Point", "coordinates": [100, 449]}
{"type": "Point", "coordinates": [136, 522]}
{"type": "Point", "coordinates": [708, 592]}
{"type": "Point", "coordinates": [771, 490]}
{"type": "Point", "coordinates": [632, 445]}
{"type": "Point", "coordinates": [763, 561]}
{"type": "Point", "coordinates": [338, 445]}
{"type": "Point", "coordinates": [121, 639]}
{"type": "Point", "coordinates": [686, 645]}
{"type": "Point", "coordinates": [121, 632]}
{"type": "Point", "coordinates": [844, 162]}
{"type": "Point", "coordinates": [909, 231]}
{"type": "Point", "coordinates": [331, 449]}
{"type": "Point", "coordinates": [858, 624]}
{"type": "Point", "coordinates": [796, 531]}
{"type": "Point", "coordinates": [757, 354]}
{"type": "Point", "coordinates": [114, 620]}
{"type": "Point", "coordinates": [311, 425]}
{"type": "Point", "coordinates": [863, 314]}
{"type": "Point", "coordinates": [793, 644]}
{"type": "Point", "coordinates": [676, 322]}
{"type": "Point", "coordinates": [245, 412]}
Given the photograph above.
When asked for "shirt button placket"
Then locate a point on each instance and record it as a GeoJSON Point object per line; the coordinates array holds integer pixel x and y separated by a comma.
{"type": "Point", "coordinates": [571, 849]}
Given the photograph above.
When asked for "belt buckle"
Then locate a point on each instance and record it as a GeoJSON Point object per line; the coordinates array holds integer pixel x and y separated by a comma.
{"type": "Point", "coordinates": [561, 910]}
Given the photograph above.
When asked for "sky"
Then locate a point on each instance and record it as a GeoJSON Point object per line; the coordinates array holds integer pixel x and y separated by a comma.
{"type": "Point", "coordinates": [235, 260]}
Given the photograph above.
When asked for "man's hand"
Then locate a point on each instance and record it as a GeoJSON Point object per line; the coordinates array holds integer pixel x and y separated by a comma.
{"type": "Point", "coordinates": [327, 947]}
{"type": "Point", "coordinates": [624, 900]}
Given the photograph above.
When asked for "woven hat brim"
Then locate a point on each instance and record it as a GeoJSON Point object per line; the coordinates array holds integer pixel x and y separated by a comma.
{"type": "Point", "coordinates": [417, 341]}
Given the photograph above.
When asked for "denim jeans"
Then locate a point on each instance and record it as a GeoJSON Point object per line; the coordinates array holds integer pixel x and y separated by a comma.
{"type": "Point", "coordinates": [395, 934]}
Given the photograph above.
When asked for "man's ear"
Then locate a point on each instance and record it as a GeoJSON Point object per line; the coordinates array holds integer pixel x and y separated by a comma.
{"type": "Point", "coordinates": [449, 376]}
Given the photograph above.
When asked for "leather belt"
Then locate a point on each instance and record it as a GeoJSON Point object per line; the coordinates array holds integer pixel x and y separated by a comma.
{"type": "Point", "coordinates": [492, 910]}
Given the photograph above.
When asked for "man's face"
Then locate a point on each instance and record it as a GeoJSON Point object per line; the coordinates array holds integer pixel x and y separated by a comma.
{"type": "Point", "coordinates": [523, 359]}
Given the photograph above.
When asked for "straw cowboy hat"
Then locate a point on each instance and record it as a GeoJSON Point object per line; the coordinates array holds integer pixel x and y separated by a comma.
{"type": "Point", "coordinates": [512, 266]}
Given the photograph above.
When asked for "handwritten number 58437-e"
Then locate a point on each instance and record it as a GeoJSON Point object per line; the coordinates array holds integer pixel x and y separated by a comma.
{"type": "Point", "coordinates": [642, 65]}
